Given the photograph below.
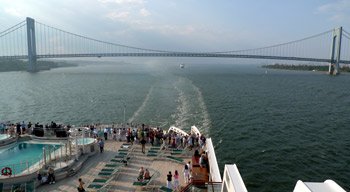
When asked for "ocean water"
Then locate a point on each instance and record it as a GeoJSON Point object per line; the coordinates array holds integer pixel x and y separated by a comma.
{"type": "Point", "coordinates": [277, 126]}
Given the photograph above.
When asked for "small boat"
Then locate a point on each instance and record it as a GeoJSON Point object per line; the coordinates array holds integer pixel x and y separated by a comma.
{"type": "Point", "coordinates": [182, 66]}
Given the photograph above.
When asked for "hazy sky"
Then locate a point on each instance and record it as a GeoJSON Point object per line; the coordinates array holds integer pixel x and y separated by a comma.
{"type": "Point", "coordinates": [195, 25]}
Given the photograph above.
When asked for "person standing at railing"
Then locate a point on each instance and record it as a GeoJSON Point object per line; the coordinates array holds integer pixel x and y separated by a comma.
{"type": "Point", "coordinates": [105, 133]}
{"type": "Point", "coordinates": [18, 129]}
{"type": "Point", "coordinates": [143, 143]}
{"type": "Point", "coordinates": [151, 136]}
{"type": "Point", "coordinates": [114, 133]}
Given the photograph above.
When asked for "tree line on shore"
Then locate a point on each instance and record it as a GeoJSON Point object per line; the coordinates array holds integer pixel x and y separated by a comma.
{"type": "Point", "coordinates": [21, 65]}
{"type": "Point", "coordinates": [343, 68]}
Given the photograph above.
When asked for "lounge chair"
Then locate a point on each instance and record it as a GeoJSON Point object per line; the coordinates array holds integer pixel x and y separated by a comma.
{"type": "Point", "coordinates": [144, 182]}
{"type": "Point", "coordinates": [165, 189]}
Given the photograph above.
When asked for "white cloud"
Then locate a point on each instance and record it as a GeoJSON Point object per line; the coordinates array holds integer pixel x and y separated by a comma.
{"type": "Point", "coordinates": [188, 30]}
{"type": "Point", "coordinates": [123, 1]}
{"type": "Point", "coordinates": [338, 11]}
{"type": "Point", "coordinates": [14, 12]}
{"type": "Point", "coordinates": [118, 15]}
{"type": "Point", "coordinates": [338, 17]}
{"type": "Point", "coordinates": [171, 30]}
{"type": "Point", "coordinates": [340, 5]}
{"type": "Point", "coordinates": [144, 12]}
{"type": "Point", "coordinates": [127, 22]}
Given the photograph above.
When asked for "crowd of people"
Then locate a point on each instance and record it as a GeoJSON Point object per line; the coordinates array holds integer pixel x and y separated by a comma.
{"type": "Point", "coordinates": [133, 134]}
{"type": "Point", "coordinates": [20, 128]}
{"type": "Point", "coordinates": [156, 136]}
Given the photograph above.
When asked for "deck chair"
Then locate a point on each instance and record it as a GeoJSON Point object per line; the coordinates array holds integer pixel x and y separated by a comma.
{"type": "Point", "coordinates": [144, 182]}
{"type": "Point", "coordinates": [165, 189]}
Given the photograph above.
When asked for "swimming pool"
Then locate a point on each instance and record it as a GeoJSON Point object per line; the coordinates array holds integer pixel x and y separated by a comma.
{"type": "Point", "coordinates": [22, 155]}
{"type": "Point", "coordinates": [4, 136]}
{"type": "Point", "coordinates": [85, 141]}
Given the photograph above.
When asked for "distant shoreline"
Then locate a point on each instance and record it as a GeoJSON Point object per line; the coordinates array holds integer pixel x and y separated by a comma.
{"type": "Point", "coordinates": [344, 68]}
{"type": "Point", "coordinates": [42, 65]}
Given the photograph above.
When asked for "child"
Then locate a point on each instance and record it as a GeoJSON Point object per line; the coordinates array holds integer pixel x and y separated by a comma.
{"type": "Point", "coordinates": [81, 186]}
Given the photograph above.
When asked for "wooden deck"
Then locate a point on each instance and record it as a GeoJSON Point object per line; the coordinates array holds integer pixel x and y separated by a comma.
{"type": "Point", "coordinates": [94, 170]}
{"type": "Point", "coordinates": [200, 175]}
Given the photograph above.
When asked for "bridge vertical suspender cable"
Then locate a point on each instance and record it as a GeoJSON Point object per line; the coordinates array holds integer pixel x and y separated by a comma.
{"type": "Point", "coordinates": [52, 42]}
{"type": "Point", "coordinates": [346, 46]}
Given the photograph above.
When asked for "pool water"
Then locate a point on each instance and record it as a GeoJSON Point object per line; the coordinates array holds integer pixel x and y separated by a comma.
{"type": "Point", "coordinates": [21, 155]}
{"type": "Point", "coordinates": [4, 136]}
{"type": "Point", "coordinates": [85, 141]}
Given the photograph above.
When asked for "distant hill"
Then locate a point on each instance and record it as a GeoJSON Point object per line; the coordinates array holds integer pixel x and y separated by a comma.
{"type": "Point", "coordinates": [344, 68]}
{"type": "Point", "coordinates": [21, 65]}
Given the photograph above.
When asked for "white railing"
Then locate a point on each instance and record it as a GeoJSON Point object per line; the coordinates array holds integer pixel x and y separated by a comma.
{"type": "Point", "coordinates": [213, 164]}
{"type": "Point", "coordinates": [232, 180]}
{"type": "Point", "coordinates": [328, 185]}
{"type": "Point", "coordinates": [194, 130]}
{"type": "Point", "coordinates": [178, 130]}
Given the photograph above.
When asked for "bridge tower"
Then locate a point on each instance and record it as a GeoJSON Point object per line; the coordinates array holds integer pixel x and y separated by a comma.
{"type": "Point", "coordinates": [31, 45]}
{"type": "Point", "coordinates": [335, 51]}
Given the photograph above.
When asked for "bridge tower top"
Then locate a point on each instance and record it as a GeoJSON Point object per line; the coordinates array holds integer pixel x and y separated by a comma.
{"type": "Point", "coordinates": [31, 45]}
{"type": "Point", "coordinates": [335, 51]}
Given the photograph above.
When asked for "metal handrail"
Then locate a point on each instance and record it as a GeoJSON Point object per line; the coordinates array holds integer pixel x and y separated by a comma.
{"type": "Point", "coordinates": [187, 187]}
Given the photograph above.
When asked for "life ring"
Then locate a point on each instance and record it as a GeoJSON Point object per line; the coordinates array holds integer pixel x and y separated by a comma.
{"type": "Point", "coordinates": [7, 171]}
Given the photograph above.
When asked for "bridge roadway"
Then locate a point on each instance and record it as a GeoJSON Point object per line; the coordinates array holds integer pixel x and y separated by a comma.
{"type": "Point", "coordinates": [175, 54]}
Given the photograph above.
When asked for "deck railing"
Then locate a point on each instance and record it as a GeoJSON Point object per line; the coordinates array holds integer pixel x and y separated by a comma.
{"type": "Point", "coordinates": [207, 187]}
{"type": "Point", "coordinates": [232, 180]}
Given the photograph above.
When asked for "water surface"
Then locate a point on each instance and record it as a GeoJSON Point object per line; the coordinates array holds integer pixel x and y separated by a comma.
{"type": "Point", "coordinates": [277, 126]}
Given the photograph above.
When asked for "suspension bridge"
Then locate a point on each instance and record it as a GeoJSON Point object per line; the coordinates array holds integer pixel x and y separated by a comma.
{"type": "Point", "coordinates": [32, 40]}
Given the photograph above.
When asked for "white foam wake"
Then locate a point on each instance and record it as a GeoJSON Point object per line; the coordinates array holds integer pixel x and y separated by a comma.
{"type": "Point", "coordinates": [191, 106]}
{"type": "Point", "coordinates": [142, 106]}
{"type": "Point", "coordinates": [182, 107]}
{"type": "Point", "coordinates": [204, 112]}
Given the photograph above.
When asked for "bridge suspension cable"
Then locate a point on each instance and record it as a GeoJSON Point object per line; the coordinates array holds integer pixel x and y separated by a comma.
{"type": "Point", "coordinates": [345, 50]}
{"type": "Point", "coordinates": [54, 42]}
{"type": "Point", "coordinates": [277, 45]}
{"type": "Point", "coordinates": [13, 41]}
{"type": "Point", "coordinates": [346, 32]}
{"type": "Point", "coordinates": [315, 46]}
{"type": "Point", "coordinates": [10, 29]}
{"type": "Point", "coordinates": [51, 42]}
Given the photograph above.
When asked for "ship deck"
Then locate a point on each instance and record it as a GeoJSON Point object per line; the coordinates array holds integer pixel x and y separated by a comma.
{"type": "Point", "coordinates": [102, 172]}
